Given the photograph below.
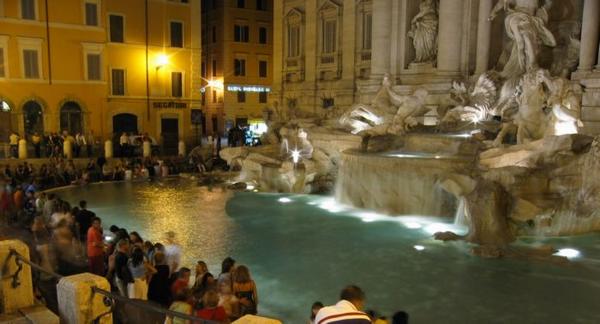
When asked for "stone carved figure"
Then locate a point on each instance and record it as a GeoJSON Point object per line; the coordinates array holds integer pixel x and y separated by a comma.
{"type": "Point", "coordinates": [567, 56]}
{"type": "Point", "coordinates": [531, 119]}
{"type": "Point", "coordinates": [474, 104]}
{"type": "Point", "coordinates": [565, 105]}
{"type": "Point", "coordinates": [525, 26]}
{"type": "Point", "coordinates": [424, 32]}
{"type": "Point", "coordinates": [390, 113]}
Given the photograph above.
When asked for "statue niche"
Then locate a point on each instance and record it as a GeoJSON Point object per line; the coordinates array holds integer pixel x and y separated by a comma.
{"type": "Point", "coordinates": [424, 32]}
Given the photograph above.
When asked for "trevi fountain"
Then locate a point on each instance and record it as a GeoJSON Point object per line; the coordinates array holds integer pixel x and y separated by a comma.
{"type": "Point", "coordinates": [501, 150]}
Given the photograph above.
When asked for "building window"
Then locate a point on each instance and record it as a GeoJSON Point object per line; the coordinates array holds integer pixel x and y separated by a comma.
{"type": "Point", "coordinates": [214, 34]}
{"type": "Point", "coordinates": [28, 9]}
{"type": "Point", "coordinates": [2, 69]}
{"type": "Point", "coordinates": [177, 84]}
{"type": "Point", "coordinates": [294, 41]}
{"type": "Point", "coordinates": [241, 3]}
{"type": "Point", "coordinates": [329, 36]}
{"type": "Point", "coordinates": [91, 14]}
{"type": "Point", "coordinates": [93, 67]}
{"type": "Point", "coordinates": [116, 28]}
{"type": "Point", "coordinates": [70, 118]}
{"type": "Point", "coordinates": [262, 35]}
{"type": "Point", "coordinates": [118, 82]}
{"type": "Point", "coordinates": [31, 67]}
{"type": "Point", "coordinates": [328, 102]}
{"type": "Point", "coordinates": [262, 97]}
{"type": "Point", "coordinates": [240, 33]}
{"type": "Point", "coordinates": [203, 69]}
{"type": "Point", "coordinates": [367, 31]}
{"type": "Point", "coordinates": [262, 69]}
{"type": "Point", "coordinates": [203, 98]}
{"type": "Point", "coordinates": [33, 118]}
{"type": "Point", "coordinates": [261, 4]}
{"type": "Point", "coordinates": [239, 67]}
{"type": "Point", "coordinates": [214, 96]}
{"type": "Point", "coordinates": [241, 96]}
{"type": "Point", "coordinates": [214, 68]}
{"type": "Point", "coordinates": [176, 34]}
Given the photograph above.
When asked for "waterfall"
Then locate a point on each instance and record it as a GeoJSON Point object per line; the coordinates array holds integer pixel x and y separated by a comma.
{"type": "Point", "coordinates": [460, 217]}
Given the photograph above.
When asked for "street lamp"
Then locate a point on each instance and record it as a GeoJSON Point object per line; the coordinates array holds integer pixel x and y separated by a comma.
{"type": "Point", "coordinates": [161, 60]}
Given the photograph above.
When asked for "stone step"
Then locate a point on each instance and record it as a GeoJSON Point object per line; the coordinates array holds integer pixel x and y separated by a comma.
{"type": "Point", "coordinates": [38, 314]}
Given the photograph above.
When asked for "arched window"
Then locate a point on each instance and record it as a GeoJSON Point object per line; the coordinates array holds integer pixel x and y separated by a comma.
{"type": "Point", "coordinates": [70, 118]}
{"type": "Point", "coordinates": [33, 117]}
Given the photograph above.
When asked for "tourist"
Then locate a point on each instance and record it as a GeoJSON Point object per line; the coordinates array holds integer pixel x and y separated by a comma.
{"type": "Point", "coordinates": [136, 239]}
{"type": "Point", "coordinates": [124, 144]}
{"type": "Point", "coordinates": [211, 309]}
{"type": "Point", "coordinates": [244, 290]}
{"type": "Point", "coordinates": [84, 219]}
{"type": "Point", "coordinates": [172, 252]}
{"type": "Point", "coordinates": [400, 317]}
{"type": "Point", "coordinates": [140, 270]}
{"type": "Point", "coordinates": [182, 304]}
{"type": "Point", "coordinates": [204, 281]}
{"type": "Point", "coordinates": [95, 247]}
{"type": "Point", "coordinates": [314, 309]}
{"type": "Point", "coordinates": [158, 287]}
{"type": "Point", "coordinates": [122, 273]}
{"type": "Point", "coordinates": [347, 310]}
{"type": "Point", "coordinates": [36, 141]}
{"type": "Point", "coordinates": [182, 282]}
{"type": "Point", "coordinates": [80, 142]}
{"type": "Point", "coordinates": [225, 286]}
{"type": "Point", "coordinates": [13, 141]}
{"type": "Point", "coordinates": [148, 249]}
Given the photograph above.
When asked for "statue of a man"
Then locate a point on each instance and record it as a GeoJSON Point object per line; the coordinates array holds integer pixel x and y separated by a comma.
{"type": "Point", "coordinates": [525, 26]}
{"type": "Point", "coordinates": [423, 31]}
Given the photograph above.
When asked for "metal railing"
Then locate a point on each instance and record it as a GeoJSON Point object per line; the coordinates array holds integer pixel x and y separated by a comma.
{"type": "Point", "coordinates": [110, 298]}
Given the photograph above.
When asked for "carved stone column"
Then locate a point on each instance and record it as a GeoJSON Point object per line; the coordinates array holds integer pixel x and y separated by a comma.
{"type": "Point", "coordinates": [382, 25]}
{"type": "Point", "coordinates": [484, 29]}
{"type": "Point", "coordinates": [450, 36]}
{"type": "Point", "coordinates": [590, 31]}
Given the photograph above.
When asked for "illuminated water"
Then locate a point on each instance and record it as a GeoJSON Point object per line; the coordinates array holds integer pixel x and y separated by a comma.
{"type": "Point", "coordinates": [305, 248]}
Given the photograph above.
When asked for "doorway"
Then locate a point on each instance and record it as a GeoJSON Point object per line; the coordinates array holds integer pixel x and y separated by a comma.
{"type": "Point", "coordinates": [123, 123]}
{"type": "Point", "coordinates": [169, 128]}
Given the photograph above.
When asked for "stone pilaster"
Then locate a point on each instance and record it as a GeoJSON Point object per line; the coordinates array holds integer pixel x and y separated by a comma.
{"type": "Point", "coordinates": [450, 37]}
{"type": "Point", "coordinates": [484, 28]}
{"type": "Point", "coordinates": [590, 33]}
{"type": "Point", "coordinates": [382, 24]}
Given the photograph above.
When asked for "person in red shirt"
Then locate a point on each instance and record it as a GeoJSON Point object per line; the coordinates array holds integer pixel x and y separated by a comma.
{"type": "Point", "coordinates": [211, 310]}
{"type": "Point", "coordinates": [95, 247]}
{"type": "Point", "coordinates": [182, 282]}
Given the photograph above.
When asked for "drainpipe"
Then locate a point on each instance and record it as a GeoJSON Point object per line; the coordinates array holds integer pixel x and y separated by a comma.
{"type": "Point", "coordinates": [147, 64]}
{"type": "Point", "coordinates": [48, 45]}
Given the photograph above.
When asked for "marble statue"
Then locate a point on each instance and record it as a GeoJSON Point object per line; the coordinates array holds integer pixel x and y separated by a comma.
{"type": "Point", "coordinates": [525, 25]}
{"type": "Point", "coordinates": [474, 104]}
{"type": "Point", "coordinates": [423, 31]}
{"type": "Point", "coordinates": [565, 105]}
{"type": "Point", "coordinates": [389, 113]}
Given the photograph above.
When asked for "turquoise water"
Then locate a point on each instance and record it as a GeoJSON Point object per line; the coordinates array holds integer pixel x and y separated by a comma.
{"type": "Point", "coordinates": [306, 248]}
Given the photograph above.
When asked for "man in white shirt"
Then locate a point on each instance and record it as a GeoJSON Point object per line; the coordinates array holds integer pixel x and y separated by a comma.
{"type": "Point", "coordinates": [172, 252]}
{"type": "Point", "coordinates": [347, 311]}
{"type": "Point", "coordinates": [124, 144]}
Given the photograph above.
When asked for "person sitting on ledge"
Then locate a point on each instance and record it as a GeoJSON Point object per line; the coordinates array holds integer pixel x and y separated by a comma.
{"type": "Point", "coordinates": [347, 311]}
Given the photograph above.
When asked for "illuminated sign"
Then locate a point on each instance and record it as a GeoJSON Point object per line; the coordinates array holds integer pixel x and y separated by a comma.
{"type": "Point", "coordinates": [169, 104]}
{"type": "Point", "coordinates": [248, 88]}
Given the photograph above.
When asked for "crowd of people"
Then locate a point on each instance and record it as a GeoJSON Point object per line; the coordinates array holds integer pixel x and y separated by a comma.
{"type": "Point", "coordinates": [51, 144]}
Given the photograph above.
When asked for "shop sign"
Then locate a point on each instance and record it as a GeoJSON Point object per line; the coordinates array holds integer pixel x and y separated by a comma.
{"type": "Point", "coordinates": [169, 104]}
{"type": "Point", "coordinates": [248, 88]}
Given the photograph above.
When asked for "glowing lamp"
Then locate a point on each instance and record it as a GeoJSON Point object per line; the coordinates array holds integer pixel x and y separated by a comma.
{"type": "Point", "coordinates": [161, 60]}
{"type": "Point", "coordinates": [295, 156]}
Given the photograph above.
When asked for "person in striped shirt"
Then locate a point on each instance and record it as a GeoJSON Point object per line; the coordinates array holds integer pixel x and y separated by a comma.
{"type": "Point", "coordinates": [347, 311]}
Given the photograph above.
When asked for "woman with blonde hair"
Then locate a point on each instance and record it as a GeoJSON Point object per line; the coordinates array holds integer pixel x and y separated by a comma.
{"type": "Point", "coordinates": [244, 289]}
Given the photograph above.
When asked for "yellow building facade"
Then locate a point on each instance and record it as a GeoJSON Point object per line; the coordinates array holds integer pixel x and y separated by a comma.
{"type": "Point", "coordinates": [237, 62]}
{"type": "Point", "coordinates": [100, 67]}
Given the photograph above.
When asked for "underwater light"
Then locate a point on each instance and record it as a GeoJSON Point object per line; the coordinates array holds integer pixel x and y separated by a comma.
{"type": "Point", "coordinates": [250, 187]}
{"type": "Point", "coordinates": [295, 156]}
{"type": "Point", "coordinates": [419, 247]}
{"type": "Point", "coordinates": [568, 253]}
{"type": "Point", "coordinates": [284, 200]}
{"type": "Point", "coordinates": [412, 225]}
